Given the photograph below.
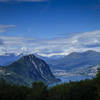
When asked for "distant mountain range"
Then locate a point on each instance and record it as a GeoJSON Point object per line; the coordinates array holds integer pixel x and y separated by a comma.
{"type": "Point", "coordinates": [80, 63]}
{"type": "Point", "coordinates": [27, 70]}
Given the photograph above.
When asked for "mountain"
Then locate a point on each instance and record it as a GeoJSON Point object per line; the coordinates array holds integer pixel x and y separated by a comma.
{"type": "Point", "coordinates": [26, 70]}
{"type": "Point", "coordinates": [9, 58]}
{"type": "Point", "coordinates": [76, 59]}
{"type": "Point", "coordinates": [75, 62]}
{"type": "Point", "coordinates": [86, 70]}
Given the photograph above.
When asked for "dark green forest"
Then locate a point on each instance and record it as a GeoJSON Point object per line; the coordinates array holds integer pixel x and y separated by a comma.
{"type": "Point", "coordinates": [82, 90]}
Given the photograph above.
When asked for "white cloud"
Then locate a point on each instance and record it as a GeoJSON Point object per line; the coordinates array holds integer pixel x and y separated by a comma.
{"type": "Point", "coordinates": [50, 47]}
{"type": "Point", "coordinates": [7, 26]}
{"type": "Point", "coordinates": [31, 0]}
{"type": "Point", "coordinates": [23, 0]}
{"type": "Point", "coordinates": [4, 0]}
{"type": "Point", "coordinates": [4, 28]}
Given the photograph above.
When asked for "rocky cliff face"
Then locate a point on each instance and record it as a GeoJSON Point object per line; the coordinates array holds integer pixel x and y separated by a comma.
{"type": "Point", "coordinates": [26, 70]}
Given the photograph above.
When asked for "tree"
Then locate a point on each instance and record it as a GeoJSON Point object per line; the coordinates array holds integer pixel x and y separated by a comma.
{"type": "Point", "coordinates": [38, 91]}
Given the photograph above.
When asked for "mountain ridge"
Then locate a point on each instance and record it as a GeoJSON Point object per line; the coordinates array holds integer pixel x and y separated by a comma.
{"type": "Point", "coordinates": [76, 62]}
{"type": "Point", "coordinates": [27, 70]}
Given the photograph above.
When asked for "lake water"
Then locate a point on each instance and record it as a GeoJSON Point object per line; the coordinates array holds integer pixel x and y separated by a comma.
{"type": "Point", "coordinates": [66, 79]}
{"type": "Point", "coordinates": [73, 78]}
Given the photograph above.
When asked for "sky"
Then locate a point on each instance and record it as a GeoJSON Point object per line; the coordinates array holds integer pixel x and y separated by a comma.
{"type": "Point", "coordinates": [49, 27]}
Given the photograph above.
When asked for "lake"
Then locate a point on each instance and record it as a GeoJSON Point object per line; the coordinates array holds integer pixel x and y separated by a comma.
{"type": "Point", "coordinates": [73, 78]}
{"type": "Point", "coordinates": [66, 79]}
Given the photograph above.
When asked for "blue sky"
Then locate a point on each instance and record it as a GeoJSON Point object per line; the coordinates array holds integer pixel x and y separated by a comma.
{"type": "Point", "coordinates": [47, 20]}
{"type": "Point", "coordinates": [50, 18]}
